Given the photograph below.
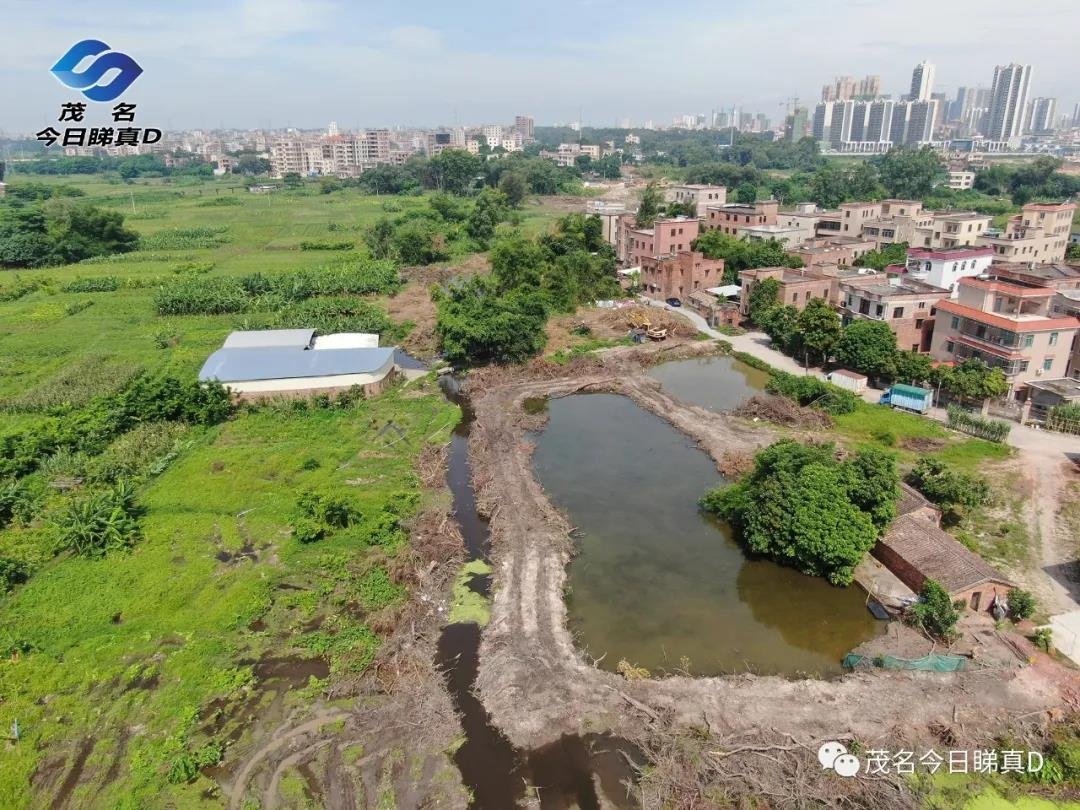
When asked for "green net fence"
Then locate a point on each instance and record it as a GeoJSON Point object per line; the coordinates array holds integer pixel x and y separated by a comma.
{"type": "Point", "coordinates": [928, 663]}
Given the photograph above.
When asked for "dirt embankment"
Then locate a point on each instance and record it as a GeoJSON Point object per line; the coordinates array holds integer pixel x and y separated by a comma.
{"type": "Point", "coordinates": [537, 685]}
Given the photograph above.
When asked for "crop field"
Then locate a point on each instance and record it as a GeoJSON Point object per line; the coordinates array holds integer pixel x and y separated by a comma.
{"type": "Point", "coordinates": [124, 677]}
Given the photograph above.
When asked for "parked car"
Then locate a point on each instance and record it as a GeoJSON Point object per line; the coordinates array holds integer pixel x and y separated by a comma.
{"type": "Point", "coordinates": [674, 302]}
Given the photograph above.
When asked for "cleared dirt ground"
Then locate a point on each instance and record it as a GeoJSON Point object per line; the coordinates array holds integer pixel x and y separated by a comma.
{"type": "Point", "coordinates": [538, 686]}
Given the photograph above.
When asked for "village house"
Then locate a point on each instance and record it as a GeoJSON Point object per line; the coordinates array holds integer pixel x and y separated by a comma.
{"type": "Point", "coordinates": [838, 250]}
{"type": "Point", "coordinates": [679, 274]}
{"type": "Point", "coordinates": [946, 266]}
{"type": "Point", "coordinates": [797, 287]}
{"type": "Point", "coordinates": [698, 195]}
{"type": "Point", "coordinates": [666, 237]}
{"type": "Point", "coordinates": [907, 306]}
{"type": "Point", "coordinates": [1008, 325]}
{"type": "Point", "coordinates": [1040, 233]}
{"type": "Point", "coordinates": [732, 217]}
{"type": "Point", "coordinates": [915, 548]}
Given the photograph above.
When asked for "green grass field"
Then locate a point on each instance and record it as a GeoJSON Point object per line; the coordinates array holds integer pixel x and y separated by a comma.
{"type": "Point", "coordinates": [122, 671]}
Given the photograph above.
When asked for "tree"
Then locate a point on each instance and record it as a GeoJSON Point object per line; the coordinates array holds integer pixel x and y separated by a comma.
{"type": "Point", "coordinates": [913, 368]}
{"type": "Point", "coordinates": [819, 330]}
{"type": "Point", "coordinates": [764, 295]}
{"type": "Point", "coordinates": [517, 261]}
{"type": "Point", "coordinates": [908, 173]}
{"type": "Point", "coordinates": [746, 193]}
{"type": "Point", "coordinates": [292, 180]}
{"type": "Point", "coordinates": [972, 380]}
{"type": "Point", "coordinates": [1072, 253]}
{"type": "Point", "coordinates": [803, 507]}
{"type": "Point", "coordinates": [934, 613]}
{"type": "Point", "coordinates": [477, 325]}
{"type": "Point", "coordinates": [1022, 603]}
{"type": "Point", "coordinates": [895, 253]}
{"type": "Point", "coordinates": [380, 239]}
{"type": "Point", "coordinates": [781, 324]}
{"type": "Point", "coordinates": [61, 231]}
{"type": "Point", "coordinates": [868, 347]}
{"type": "Point", "coordinates": [418, 243]}
{"type": "Point", "coordinates": [652, 199]}
{"type": "Point", "coordinates": [453, 170]}
{"type": "Point", "coordinates": [489, 210]}
{"type": "Point", "coordinates": [251, 164]}
{"type": "Point", "coordinates": [513, 185]}
{"type": "Point", "coordinates": [740, 254]}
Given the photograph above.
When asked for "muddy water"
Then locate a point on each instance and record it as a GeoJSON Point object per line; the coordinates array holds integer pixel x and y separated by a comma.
{"type": "Point", "coordinates": [661, 584]}
{"type": "Point", "coordinates": [717, 383]}
{"type": "Point", "coordinates": [571, 772]}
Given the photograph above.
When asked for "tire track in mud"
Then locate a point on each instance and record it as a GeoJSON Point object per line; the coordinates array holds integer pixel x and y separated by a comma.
{"type": "Point", "coordinates": [537, 686]}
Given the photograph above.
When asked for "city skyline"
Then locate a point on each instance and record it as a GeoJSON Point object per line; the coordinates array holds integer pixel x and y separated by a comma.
{"type": "Point", "coordinates": [222, 65]}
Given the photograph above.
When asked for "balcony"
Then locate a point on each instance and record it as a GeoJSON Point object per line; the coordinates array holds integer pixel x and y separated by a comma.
{"type": "Point", "coordinates": [989, 335]}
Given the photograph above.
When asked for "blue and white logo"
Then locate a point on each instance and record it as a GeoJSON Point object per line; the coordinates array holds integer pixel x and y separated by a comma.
{"type": "Point", "coordinates": [88, 79]}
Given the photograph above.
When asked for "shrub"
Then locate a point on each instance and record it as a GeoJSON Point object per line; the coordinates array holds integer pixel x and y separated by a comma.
{"type": "Point", "coordinates": [990, 429]}
{"type": "Point", "coordinates": [12, 572]}
{"type": "Point", "coordinates": [337, 314]}
{"type": "Point", "coordinates": [753, 362]}
{"type": "Point", "coordinates": [814, 393]}
{"type": "Point", "coordinates": [947, 487]}
{"type": "Point", "coordinates": [185, 238]}
{"type": "Point", "coordinates": [376, 590]}
{"type": "Point", "coordinates": [1021, 603]}
{"type": "Point", "coordinates": [935, 613]}
{"type": "Point", "coordinates": [316, 245]}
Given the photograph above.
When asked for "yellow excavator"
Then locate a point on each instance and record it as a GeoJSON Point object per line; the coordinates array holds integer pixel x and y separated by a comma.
{"type": "Point", "coordinates": [638, 321]}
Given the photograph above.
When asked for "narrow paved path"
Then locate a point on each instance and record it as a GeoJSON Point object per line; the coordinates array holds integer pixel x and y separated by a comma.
{"type": "Point", "coordinates": [1047, 459]}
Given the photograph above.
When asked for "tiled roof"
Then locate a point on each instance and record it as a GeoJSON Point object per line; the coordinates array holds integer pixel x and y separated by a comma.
{"type": "Point", "coordinates": [937, 555]}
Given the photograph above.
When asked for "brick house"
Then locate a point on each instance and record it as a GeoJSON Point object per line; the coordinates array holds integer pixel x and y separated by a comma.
{"type": "Point", "coordinates": [797, 287]}
{"type": "Point", "coordinates": [680, 274]}
{"type": "Point", "coordinates": [733, 217]}
{"type": "Point", "coordinates": [906, 305]}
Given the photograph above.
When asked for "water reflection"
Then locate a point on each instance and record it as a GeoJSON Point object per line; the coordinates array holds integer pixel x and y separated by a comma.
{"type": "Point", "coordinates": [657, 581]}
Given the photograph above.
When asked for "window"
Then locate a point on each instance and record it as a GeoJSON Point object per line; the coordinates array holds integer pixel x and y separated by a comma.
{"type": "Point", "coordinates": [1053, 338]}
{"type": "Point", "coordinates": [794, 298]}
{"type": "Point", "coordinates": [949, 346]}
{"type": "Point", "coordinates": [1028, 340]}
{"type": "Point", "coordinates": [807, 295]}
{"type": "Point", "coordinates": [1048, 363]}
{"type": "Point", "coordinates": [955, 322]}
{"type": "Point", "coordinates": [898, 312]}
{"type": "Point", "coordinates": [1024, 366]}
{"type": "Point", "coordinates": [918, 323]}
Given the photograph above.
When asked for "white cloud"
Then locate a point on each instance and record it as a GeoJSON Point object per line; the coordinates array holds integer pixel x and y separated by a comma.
{"type": "Point", "coordinates": [415, 38]}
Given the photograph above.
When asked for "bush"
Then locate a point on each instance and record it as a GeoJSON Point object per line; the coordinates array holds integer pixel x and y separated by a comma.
{"type": "Point", "coordinates": [316, 245]}
{"type": "Point", "coordinates": [934, 612]}
{"type": "Point", "coordinates": [337, 314]}
{"type": "Point", "coordinates": [1021, 603]}
{"type": "Point", "coordinates": [185, 238]}
{"type": "Point", "coordinates": [814, 393]}
{"type": "Point", "coordinates": [12, 572]}
{"type": "Point", "coordinates": [990, 429]}
{"type": "Point", "coordinates": [753, 362]}
{"type": "Point", "coordinates": [947, 487]}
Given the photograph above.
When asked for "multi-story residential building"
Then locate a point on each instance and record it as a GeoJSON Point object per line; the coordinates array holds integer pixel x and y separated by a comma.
{"type": "Point", "coordinates": [700, 196]}
{"type": "Point", "coordinates": [834, 250]}
{"type": "Point", "coordinates": [437, 143]}
{"type": "Point", "coordinates": [729, 218]}
{"type": "Point", "coordinates": [797, 287]}
{"type": "Point", "coordinates": [1040, 233]}
{"type": "Point", "coordinates": [788, 237]}
{"type": "Point", "coordinates": [1057, 276]}
{"type": "Point", "coordinates": [1008, 325]}
{"type": "Point", "coordinates": [665, 237]}
{"type": "Point", "coordinates": [907, 305]}
{"type": "Point", "coordinates": [946, 266]}
{"type": "Point", "coordinates": [1041, 115]}
{"type": "Point", "coordinates": [922, 82]}
{"type": "Point", "coordinates": [524, 126]}
{"type": "Point", "coordinates": [1008, 102]}
{"type": "Point", "coordinates": [961, 179]}
{"type": "Point", "coordinates": [797, 124]}
{"type": "Point", "coordinates": [680, 274]}
{"type": "Point", "coordinates": [610, 214]}
{"type": "Point", "coordinates": [949, 229]}
{"type": "Point", "coordinates": [493, 134]}
{"type": "Point", "coordinates": [844, 88]}
{"type": "Point", "coordinates": [568, 153]}
{"type": "Point", "coordinates": [287, 156]}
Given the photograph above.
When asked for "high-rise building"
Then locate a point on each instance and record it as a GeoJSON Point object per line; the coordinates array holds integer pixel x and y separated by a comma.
{"type": "Point", "coordinates": [1042, 113]}
{"type": "Point", "coordinates": [922, 82]}
{"type": "Point", "coordinates": [869, 87]}
{"type": "Point", "coordinates": [1008, 102]}
{"type": "Point", "coordinates": [524, 125]}
{"type": "Point", "coordinates": [796, 124]}
{"type": "Point", "coordinates": [1076, 115]}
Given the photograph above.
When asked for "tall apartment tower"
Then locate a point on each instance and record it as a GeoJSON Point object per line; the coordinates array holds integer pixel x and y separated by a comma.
{"type": "Point", "coordinates": [870, 87]}
{"type": "Point", "coordinates": [1008, 102]}
{"type": "Point", "coordinates": [922, 82]}
{"type": "Point", "coordinates": [524, 125]}
{"type": "Point", "coordinates": [1042, 115]}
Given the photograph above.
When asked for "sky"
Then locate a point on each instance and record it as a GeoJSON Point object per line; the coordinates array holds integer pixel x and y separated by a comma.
{"type": "Point", "coordinates": [303, 63]}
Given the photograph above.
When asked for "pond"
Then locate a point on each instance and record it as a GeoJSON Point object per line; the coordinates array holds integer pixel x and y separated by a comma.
{"type": "Point", "coordinates": [717, 383]}
{"type": "Point", "coordinates": [659, 583]}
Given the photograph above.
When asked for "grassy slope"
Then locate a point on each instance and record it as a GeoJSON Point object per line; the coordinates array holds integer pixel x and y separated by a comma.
{"type": "Point", "coordinates": [127, 651]}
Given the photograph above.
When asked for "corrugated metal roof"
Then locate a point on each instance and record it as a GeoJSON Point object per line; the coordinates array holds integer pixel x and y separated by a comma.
{"type": "Point", "coordinates": [275, 363]}
{"type": "Point", "coordinates": [269, 338]}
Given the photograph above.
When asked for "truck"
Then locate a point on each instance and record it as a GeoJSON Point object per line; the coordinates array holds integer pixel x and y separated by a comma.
{"type": "Point", "coordinates": [908, 397]}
